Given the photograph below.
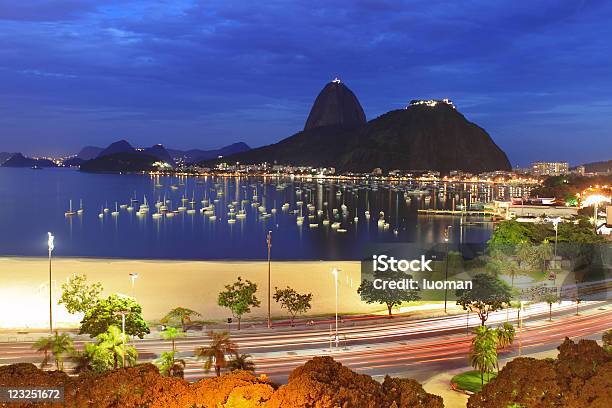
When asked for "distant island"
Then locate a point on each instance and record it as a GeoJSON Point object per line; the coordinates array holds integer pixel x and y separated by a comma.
{"type": "Point", "coordinates": [19, 160]}
{"type": "Point", "coordinates": [121, 156]}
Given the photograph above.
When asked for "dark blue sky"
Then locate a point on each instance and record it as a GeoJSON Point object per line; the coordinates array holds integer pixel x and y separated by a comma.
{"type": "Point", "coordinates": [537, 75]}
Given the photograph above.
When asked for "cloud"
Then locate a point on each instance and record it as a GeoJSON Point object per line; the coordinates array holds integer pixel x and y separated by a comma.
{"type": "Point", "coordinates": [252, 69]}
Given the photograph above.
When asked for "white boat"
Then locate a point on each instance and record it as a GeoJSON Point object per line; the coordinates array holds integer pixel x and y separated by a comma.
{"type": "Point", "coordinates": [101, 215]}
{"type": "Point", "coordinates": [70, 211]}
{"type": "Point", "coordinates": [367, 215]}
{"type": "Point", "coordinates": [381, 219]}
{"type": "Point", "coordinates": [116, 212]}
{"type": "Point", "coordinates": [325, 222]}
{"type": "Point", "coordinates": [335, 225]}
{"type": "Point", "coordinates": [157, 215]}
{"type": "Point", "coordinates": [144, 207]}
{"type": "Point", "coordinates": [80, 210]}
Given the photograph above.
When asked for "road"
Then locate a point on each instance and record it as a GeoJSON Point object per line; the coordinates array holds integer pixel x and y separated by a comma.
{"type": "Point", "coordinates": [399, 346]}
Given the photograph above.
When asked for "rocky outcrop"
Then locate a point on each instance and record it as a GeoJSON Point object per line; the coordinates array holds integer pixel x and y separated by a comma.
{"type": "Point", "coordinates": [336, 105]}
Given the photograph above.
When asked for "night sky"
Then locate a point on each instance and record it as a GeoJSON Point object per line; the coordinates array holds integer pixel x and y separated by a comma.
{"type": "Point", "coordinates": [537, 75]}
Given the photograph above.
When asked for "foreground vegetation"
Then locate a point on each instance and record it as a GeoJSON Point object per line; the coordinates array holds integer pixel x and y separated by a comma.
{"type": "Point", "coordinates": [580, 377]}
{"type": "Point", "coordinates": [320, 383]}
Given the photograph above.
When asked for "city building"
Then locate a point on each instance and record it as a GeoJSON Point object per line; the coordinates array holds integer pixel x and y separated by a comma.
{"type": "Point", "coordinates": [550, 168]}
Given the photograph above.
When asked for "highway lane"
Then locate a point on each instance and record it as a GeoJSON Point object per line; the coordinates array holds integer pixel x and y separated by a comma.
{"type": "Point", "coordinates": [411, 358]}
{"type": "Point", "coordinates": [373, 346]}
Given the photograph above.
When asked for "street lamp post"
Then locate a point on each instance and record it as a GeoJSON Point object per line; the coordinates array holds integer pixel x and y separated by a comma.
{"type": "Point", "coordinates": [555, 222]}
{"type": "Point", "coordinates": [446, 238]}
{"type": "Point", "coordinates": [51, 246]}
{"type": "Point", "coordinates": [133, 277]}
{"type": "Point", "coordinates": [123, 313]}
{"type": "Point", "coordinates": [269, 243]}
{"type": "Point", "coordinates": [335, 272]}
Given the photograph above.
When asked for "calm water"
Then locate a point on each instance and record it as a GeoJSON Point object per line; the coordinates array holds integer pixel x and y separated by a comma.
{"type": "Point", "coordinates": [34, 202]}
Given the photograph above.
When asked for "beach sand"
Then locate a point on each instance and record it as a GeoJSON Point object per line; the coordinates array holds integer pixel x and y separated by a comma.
{"type": "Point", "coordinates": [162, 285]}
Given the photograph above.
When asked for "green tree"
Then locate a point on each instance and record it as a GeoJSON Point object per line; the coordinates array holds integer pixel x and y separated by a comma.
{"type": "Point", "coordinates": [107, 313]}
{"type": "Point", "coordinates": [61, 344]}
{"type": "Point", "coordinates": [215, 353]}
{"type": "Point", "coordinates": [508, 233]}
{"type": "Point", "coordinates": [241, 362]}
{"type": "Point", "coordinates": [544, 254]}
{"type": "Point", "coordinates": [483, 355]}
{"type": "Point", "coordinates": [112, 342]}
{"type": "Point", "coordinates": [180, 314]}
{"type": "Point", "coordinates": [78, 296]}
{"type": "Point", "coordinates": [487, 295]}
{"type": "Point", "coordinates": [504, 264]}
{"type": "Point", "coordinates": [239, 297]}
{"type": "Point", "coordinates": [85, 361]}
{"type": "Point", "coordinates": [505, 336]}
{"type": "Point", "coordinates": [43, 345]}
{"type": "Point", "coordinates": [293, 301]}
{"type": "Point", "coordinates": [385, 296]}
{"type": "Point", "coordinates": [169, 366]}
{"type": "Point", "coordinates": [172, 333]}
{"type": "Point", "coordinates": [549, 298]}
{"type": "Point", "coordinates": [57, 345]}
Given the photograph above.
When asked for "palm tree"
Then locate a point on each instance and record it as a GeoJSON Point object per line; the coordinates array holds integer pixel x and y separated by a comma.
{"type": "Point", "coordinates": [172, 333]}
{"type": "Point", "coordinates": [241, 362]}
{"type": "Point", "coordinates": [545, 253]}
{"type": "Point", "coordinates": [214, 354]}
{"type": "Point", "coordinates": [61, 344]}
{"type": "Point", "coordinates": [181, 314]}
{"type": "Point", "coordinates": [505, 335]}
{"type": "Point", "coordinates": [550, 298]}
{"type": "Point", "coordinates": [112, 342]}
{"type": "Point", "coordinates": [483, 356]}
{"type": "Point", "coordinates": [84, 360]}
{"type": "Point", "coordinates": [43, 345]}
{"type": "Point", "coordinates": [169, 366]}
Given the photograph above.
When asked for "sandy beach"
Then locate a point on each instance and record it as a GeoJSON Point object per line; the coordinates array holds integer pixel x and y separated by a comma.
{"type": "Point", "coordinates": [162, 285]}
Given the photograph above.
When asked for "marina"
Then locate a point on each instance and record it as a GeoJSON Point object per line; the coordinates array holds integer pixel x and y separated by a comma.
{"type": "Point", "coordinates": [214, 217]}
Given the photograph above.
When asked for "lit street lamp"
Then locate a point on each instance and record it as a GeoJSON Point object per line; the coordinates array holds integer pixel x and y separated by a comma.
{"type": "Point", "coordinates": [555, 223]}
{"type": "Point", "coordinates": [335, 272]}
{"type": "Point", "coordinates": [51, 246]}
{"type": "Point", "coordinates": [133, 277]}
{"type": "Point", "coordinates": [123, 313]}
{"type": "Point", "coordinates": [595, 200]}
{"type": "Point", "coordinates": [269, 244]}
{"type": "Point", "coordinates": [446, 238]}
